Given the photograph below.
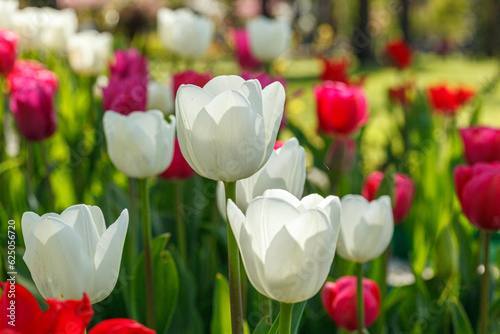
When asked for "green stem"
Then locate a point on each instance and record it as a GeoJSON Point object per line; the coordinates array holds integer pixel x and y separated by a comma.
{"type": "Point", "coordinates": [46, 165]}
{"type": "Point", "coordinates": [30, 172]}
{"type": "Point", "coordinates": [285, 318]}
{"type": "Point", "coordinates": [131, 242]}
{"type": "Point", "coordinates": [484, 297]}
{"type": "Point", "coordinates": [360, 307]}
{"type": "Point", "coordinates": [148, 258]}
{"type": "Point", "coordinates": [266, 307]}
{"type": "Point", "coordinates": [181, 226]}
{"type": "Point", "coordinates": [234, 269]}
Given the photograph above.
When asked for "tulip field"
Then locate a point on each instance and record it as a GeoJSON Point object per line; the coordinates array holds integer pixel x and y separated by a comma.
{"type": "Point", "coordinates": [207, 167]}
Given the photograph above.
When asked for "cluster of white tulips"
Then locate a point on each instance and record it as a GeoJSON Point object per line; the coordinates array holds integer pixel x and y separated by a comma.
{"type": "Point", "coordinates": [226, 131]}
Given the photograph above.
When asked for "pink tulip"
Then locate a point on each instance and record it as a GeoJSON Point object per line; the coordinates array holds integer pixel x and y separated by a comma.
{"type": "Point", "coordinates": [404, 192]}
{"type": "Point", "coordinates": [341, 109]}
{"type": "Point", "coordinates": [179, 169]}
{"type": "Point", "coordinates": [8, 50]}
{"type": "Point", "coordinates": [243, 52]}
{"type": "Point", "coordinates": [129, 63]}
{"type": "Point", "coordinates": [29, 69]}
{"type": "Point", "coordinates": [339, 300]}
{"type": "Point", "coordinates": [478, 189]}
{"type": "Point", "coordinates": [481, 144]}
{"type": "Point", "coordinates": [190, 77]}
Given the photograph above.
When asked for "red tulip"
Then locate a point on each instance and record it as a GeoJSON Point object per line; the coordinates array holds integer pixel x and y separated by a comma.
{"type": "Point", "coordinates": [68, 317]}
{"type": "Point", "coordinates": [402, 95]}
{"type": "Point", "coordinates": [8, 50]}
{"type": "Point", "coordinates": [339, 300]}
{"type": "Point", "coordinates": [335, 70]}
{"type": "Point", "coordinates": [403, 192]}
{"type": "Point", "coordinates": [120, 326]}
{"type": "Point", "coordinates": [464, 95]}
{"type": "Point", "coordinates": [129, 63]}
{"type": "Point", "coordinates": [32, 105]}
{"type": "Point", "coordinates": [243, 53]}
{"type": "Point", "coordinates": [481, 144]}
{"type": "Point", "coordinates": [341, 109]}
{"type": "Point", "coordinates": [29, 69]}
{"type": "Point", "coordinates": [399, 53]}
{"type": "Point", "coordinates": [478, 189]}
{"type": "Point", "coordinates": [190, 77]}
{"type": "Point", "coordinates": [179, 169]}
{"type": "Point", "coordinates": [447, 100]}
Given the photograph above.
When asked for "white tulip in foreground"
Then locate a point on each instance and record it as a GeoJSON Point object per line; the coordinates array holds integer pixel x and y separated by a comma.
{"type": "Point", "coordinates": [287, 245]}
{"type": "Point", "coordinates": [140, 144]}
{"type": "Point", "coordinates": [89, 51]}
{"type": "Point", "coordinates": [184, 32]}
{"type": "Point", "coordinates": [268, 38]}
{"type": "Point", "coordinates": [73, 253]}
{"type": "Point", "coordinates": [367, 228]}
{"type": "Point", "coordinates": [160, 97]}
{"type": "Point", "coordinates": [285, 169]}
{"type": "Point", "coordinates": [228, 128]}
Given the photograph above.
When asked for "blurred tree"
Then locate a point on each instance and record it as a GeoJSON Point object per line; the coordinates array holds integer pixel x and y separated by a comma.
{"type": "Point", "coordinates": [361, 40]}
{"type": "Point", "coordinates": [404, 19]}
{"type": "Point", "coordinates": [488, 26]}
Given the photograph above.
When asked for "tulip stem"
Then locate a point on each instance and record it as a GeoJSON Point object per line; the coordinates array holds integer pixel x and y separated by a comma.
{"type": "Point", "coordinates": [46, 164]}
{"type": "Point", "coordinates": [484, 296]}
{"type": "Point", "coordinates": [285, 318]}
{"type": "Point", "coordinates": [234, 269]}
{"type": "Point", "coordinates": [148, 258]}
{"type": "Point", "coordinates": [360, 307]}
{"type": "Point", "coordinates": [181, 227]}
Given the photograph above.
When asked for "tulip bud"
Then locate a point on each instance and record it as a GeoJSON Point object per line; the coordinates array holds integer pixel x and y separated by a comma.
{"type": "Point", "coordinates": [335, 70]}
{"type": "Point", "coordinates": [268, 38]}
{"type": "Point", "coordinates": [8, 51]}
{"type": "Point", "coordinates": [399, 53]}
{"type": "Point", "coordinates": [140, 144]}
{"type": "Point", "coordinates": [366, 228]}
{"type": "Point", "coordinates": [123, 326]}
{"type": "Point", "coordinates": [179, 169]}
{"type": "Point", "coordinates": [73, 253]}
{"type": "Point", "coordinates": [8, 9]}
{"type": "Point", "coordinates": [339, 300]}
{"type": "Point", "coordinates": [341, 109]}
{"type": "Point", "coordinates": [243, 53]}
{"type": "Point", "coordinates": [32, 105]}
{"type": "Point", "coordinates": [403, 192]}
{"type": "Point", "coordinates": [478, 189]}
{"type": "Point", "coordinates": [89, 51]}
{"type": "Point", "coordinates": [190, 78]}
{"type": "Point", "coordinates": [183, 32]}
{"type": "Point", "coordinates": [160, 97]}
{"type": "Point", "coordinates": [227, 129]}
{"type": "Point", "coordinates": [481, 144]}
{"type": "Point", "coordinates": [287, 246]}
{"type": "Point", "coordinates": [285, 169]}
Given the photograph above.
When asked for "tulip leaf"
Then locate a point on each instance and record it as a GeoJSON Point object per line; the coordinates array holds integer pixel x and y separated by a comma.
{"type": "Point", "coordinates": [459, 318]}
{"type": "Point", "coordinates": [221, 318]}
{"type": "Point", "coordinates": [263, 326]}
{"type": "Point", "coordinates": [166, 280]}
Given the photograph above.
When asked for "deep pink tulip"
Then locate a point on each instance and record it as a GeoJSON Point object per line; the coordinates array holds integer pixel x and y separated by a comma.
{"type": "Point", "coordinates": [32, 70]}
{"type": "Point", "coordinates": [243, 52]}
{"type": "Point", "coordinates": [120, 326]}
{"type": "Point", "coordinates": [129, 63]}
{"type": "Point", "coordinates": [126, 95]}
{"type": "Point", "coordinates": [481, 144]}
{"type": "Point", "coordinates": [399, 53]}
{"type": "Point", "coordinates": [341, 109]}
{"type": "Point", "coordinates": [339, 300]}
{"type": "Point", "coordinates": [404, 192]}
{"type": "Point", "coordinates": [179, 169]}
{"type": "Point", "coordinates": [478, 189]}
{"type": "Point", "coordinates": [191, 78]}
{"type": "Point", "coordinates": [8, 50]}
{"type": "Point", "coordinates": [32, 105]}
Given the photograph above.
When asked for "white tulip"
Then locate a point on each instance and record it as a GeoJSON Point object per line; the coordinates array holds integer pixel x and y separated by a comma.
{"type": "Point", "coordinates": [73, 253]}
{"type": "Point", "coordinates": [183, 32]}
{"type": "Point", "coordinates": [160, 97]}
{"type": "Point", "coordinates": [287, 245]}
{"type": "Point", "coordinates": [268, 38]}
{"type": "Point", "coordinates": [285, 169]}
{"type": "Point", "coordinates": [89, 52]}
{"type": "Point", "coordinates": [227, 129]}
{"type": "Point", "coordinates": [8, 8]}
{"type": "Point", "coordinates": [367, 228]}
{"type": "Point", "coordinates": [45, 27]}
{"type": "Point", "coordinates": [140, 144]}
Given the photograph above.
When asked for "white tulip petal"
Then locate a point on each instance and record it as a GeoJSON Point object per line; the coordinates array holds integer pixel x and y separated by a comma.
{"type": "Point", "coordinates": [284, 195]}
{"type": "Point", "coordinates": [273, 101]}
{"type": "Point", "coordinates": [58, 266]}
{"type": "Point", "coordinates": [236, 218]}
{"type": "Point", "coordinates": [223, 83]}
{"type": "Point", "coordinates": [252, 90]}
{"type": "Point", "coordinates": [108, 257]}
{"type": "Point", "coordinates": [28, 221]}
{"type": "Point", "coordinates": [98, 218]}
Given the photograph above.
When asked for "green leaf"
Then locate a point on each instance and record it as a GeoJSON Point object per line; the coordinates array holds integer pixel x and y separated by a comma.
{"type": "Point", "coordinates": [221, 318]}
{"type": "Point", "coordinates": [461, 322]}
{"type": "Point", "coordinates": [166, 290]}
{"type": "Point", "coordinates": [263, 326]}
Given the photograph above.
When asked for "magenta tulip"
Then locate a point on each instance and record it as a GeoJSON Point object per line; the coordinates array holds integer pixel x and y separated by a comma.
{"type": "Point", "coordinates": [179, 169]}
{"type": "Point", "coordinates": [191, 78]}
{"type": "Point", "coordinates": [243, 53]}
{"type": "Point", "coordinates": [481, 144]}
{"type": "Point", "coordinates": [129, 63]}
{"type": "Point", "coordinates": [8, 50]}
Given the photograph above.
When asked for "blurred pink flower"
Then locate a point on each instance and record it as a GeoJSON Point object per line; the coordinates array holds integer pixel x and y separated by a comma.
{"type": "Point", "coordinates": [8, 50]}
{"type": "Point", "coordinates": [243, 53]}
